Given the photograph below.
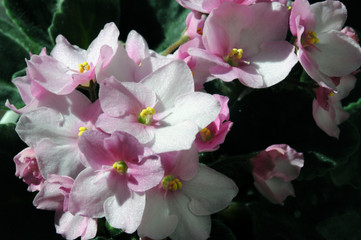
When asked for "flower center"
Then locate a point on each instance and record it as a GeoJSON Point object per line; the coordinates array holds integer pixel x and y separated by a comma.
{"type": "Point", "coordinates": [234, 56]}
{"type": "Point", "coordinates": [206, 134]}
{"type": "Point", "coordinates": [309, 39]}
{"type": "Point", "coordinates": [146, 116]}
{"type": "Point", "coordinates": [83, 67]}
{"type": "Point", "coordinates": [81, 130]}
{"type": "Point", "coordinates": [169, 182]}
{"type": "Point", "coordinates": [121, 167]}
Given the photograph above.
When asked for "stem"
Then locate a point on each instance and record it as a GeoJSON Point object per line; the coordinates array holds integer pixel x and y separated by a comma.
{"type": "Point", "coordinates": [175, 45]}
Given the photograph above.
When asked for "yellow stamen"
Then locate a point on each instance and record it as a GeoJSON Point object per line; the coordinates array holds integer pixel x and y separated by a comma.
{"type": "Point", "coordinates": [206, 134]}
{"type": "Point", "coordinates": [199, 31]}
{"type": "Point", "coordinates": [146, 116]}
{"type": "Point", "coordinates": [331, 94]}
{"type": "Point", "coordinates": [169, 182]}
{"type": "Point", "coordinates": [83, 67]}
{"type": "Point", "coordinates": [236, 52]}
{"type": "Point", "coordinates": [81, 130]}
{"type": "Point", "coordinates": [121, 167]}
{"type": "Point", "coordinates": [310, 39]}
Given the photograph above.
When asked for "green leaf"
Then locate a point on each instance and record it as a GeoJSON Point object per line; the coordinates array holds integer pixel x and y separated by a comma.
{"type": "Point", "coordinates": [172, 18]}
{"type": "Point", "coordinates": [81, 21]}
{"type": "Point", "coordinates": [12, 32]}
{"type": "Point", "coordinates": [9, 92]}
{"type": "Point", "coordinates": [12, 55]}
{"type": "Point", "coordinates": [33, 18]}
{"type": "Point", "coordinates": [113, 231]}
{"type": "Point", "coordinates": [345, 226]}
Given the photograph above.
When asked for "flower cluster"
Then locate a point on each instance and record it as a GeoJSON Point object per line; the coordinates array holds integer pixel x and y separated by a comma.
{"type": "Point", "coordinates": [129, 155]}
{"type": "Point", "coordinates": [115, 131]}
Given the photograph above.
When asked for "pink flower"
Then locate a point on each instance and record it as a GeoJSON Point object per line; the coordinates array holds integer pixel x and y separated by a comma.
{"type": "Point", "coordinates": [273, 171]}
{"type": "Point", "coordinates": [323, 49]}
{"type": "Point", "coordinates": [206, 6]}
{"type": "Point", "coordinates": [161, 111]}
{"type": "Point", "coordinates": [195, 22]}
{"type": "Point", "coordinates": [53, 133]}
{"type": "Point", "coordinates": [27, 169]}
{"type": "Point", "coordinates": [198, 66]}
{"type": "Point", "coordinates": [33, 94]}
{"type": "Point", "coordinates": [54, 195]}
{"type": "Point", "coordinates": [180, 206]}
{"type": "Point", "coordinates": [68, 65]}
{"type": "Point", "coordinates": [327, 107]}
{"type": "Point", "coordinates": [132, 63]}
{"type": "Point", "coordinates": [248, 43]}
{"type": "Point", "coordinates": [120, 171]}
{"type": "Point", "coordinates": [210, 137]}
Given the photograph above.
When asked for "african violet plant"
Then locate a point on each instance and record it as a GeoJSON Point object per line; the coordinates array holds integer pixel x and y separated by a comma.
{"type": "Point", "coordinates": [211, 135]}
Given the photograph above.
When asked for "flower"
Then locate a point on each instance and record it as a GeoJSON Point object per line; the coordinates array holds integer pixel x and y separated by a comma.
{"type": "Point", "coordinates": [327, 107]}
{"type": "Point", "coordinates": [54, 195]}
{"type": "Point", "coordinates": [27, 169]}
{"type": "Point", "coordinates": [160, 110]}
{"type": "Point", "coordinates": [324, 50]}
{"type": "Point", "coordinates": [206, 6]}
{"type": "Point", "coordinates": [120, 171]}
{"type": "Point", "coordinates": [210, 137]}
{"type": "Point", "coordinates": [184, 199]}
{"type": "Point", "coordinates": [273, 171]}
{"type": "Point", "coordinates": [247, 43]}
{"type": "Point", "coordinates": [68, 65]}
{"type": "Point", "coordinates": [53, 133]}
{"type": "Point", "coordinates": [132, 63]}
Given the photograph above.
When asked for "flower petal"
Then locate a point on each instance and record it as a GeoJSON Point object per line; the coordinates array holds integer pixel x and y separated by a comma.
{"type": "Point", "coordinates": [125, 210]}
{"type": "Point", "coordinates": [274, 61]}
{"type": "Point", "coordinates": [338, 54]}
{"type": "Point", "coordinates": [209, 191]}
{"type": "Point", "coordinates": [169, 82]}
{"type": "Point", "coordinates": [157, 208]}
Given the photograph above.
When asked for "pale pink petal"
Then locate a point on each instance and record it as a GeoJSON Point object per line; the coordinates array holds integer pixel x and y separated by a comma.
{"type": "Point", "coordinates": [91, 144]}
{"type": "Point", "coordinates": [90, 190]}
{"type": "Point", "coordinates": [129, 124]}
{"type": "Point", "coordinates": [107, 36]}
{"type": "Point", "coordinates": [330, 15]}
{"type": "Point", "coordinates": [72, 227]}
{"type": "Point", "coordinates": [62, 159]}
{"type": "Point", "coordinates": [51, 74]}
{"type": "Point", "coordinates": [209, 191]}
{"type": "Point", "coordinates": [121, 67]}
{"type": "Point", "coordinates": [275, 189]}
{"type": "Point", "coordinates": [328, 121]}
{"type": "Point", "coordinates": [169, 82]}
{"type": "Point", "coordinates": [274, 61]}
{"type": "Point", "coordinates": [146, 174]}
{"type": "Point", "coordinates": [192, 4]}
{"type": "Point", "coordinates": [174, 137]}
{"type": "Point", "coordinates": [338, 54]}
{"type": "Point", "coordinates": [219, 36]}
{"type": "Point", "coordinates": [125, 210]}
{"type": "Point", "coordinates": [118, 99]}
{"type": "Point", "coordinates": [302, 9]}
{"type": "Point", "coordinates": [136, 46]}
{"type": "Point", "coordinates": [149, 65]}
{"type": "Point", "coordinates": [69, 55]}
{"type": "Point", "coordinates": [157, 208]}
{"type": "Point", "coordinates": [202, 113]}
{"type": "Point", "coordinates": [184, 164]}
{"type": "Point", "coordinates": [190, 226]}
{"type": "Point", "coordinates": [53, 192]}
